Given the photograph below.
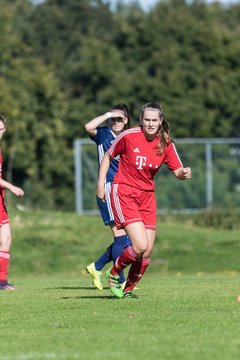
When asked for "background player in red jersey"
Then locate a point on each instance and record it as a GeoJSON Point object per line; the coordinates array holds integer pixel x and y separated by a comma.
{"type": "Point", "coordinates": [142, 151]}
{"type": "Point", "coordinates": [5, 231]}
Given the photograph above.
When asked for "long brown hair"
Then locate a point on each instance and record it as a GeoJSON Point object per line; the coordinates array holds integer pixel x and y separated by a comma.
{"type": "Point", "coordinates": [3, 120]}
{"type": "Point", "coordinates": [164, 130]}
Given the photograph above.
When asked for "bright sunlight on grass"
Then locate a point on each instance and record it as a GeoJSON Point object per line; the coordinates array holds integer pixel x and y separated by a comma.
{"type": "Point", "coordinates": [186, 310]}
{"type": "Point", "coordinates": [63, 317]}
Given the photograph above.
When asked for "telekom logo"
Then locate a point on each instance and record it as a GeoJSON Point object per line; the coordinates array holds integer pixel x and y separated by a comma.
{"type": "Point", "coordinates": [141, 161]}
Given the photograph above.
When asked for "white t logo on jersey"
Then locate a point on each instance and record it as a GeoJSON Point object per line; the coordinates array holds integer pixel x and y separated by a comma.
{"type": "Point", "coordinates": [141, 161]}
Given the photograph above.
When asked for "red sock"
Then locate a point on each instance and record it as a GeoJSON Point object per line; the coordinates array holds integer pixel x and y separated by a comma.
{"type": "Point", "coordinates": [4, 263]}
{"type": "Point", "coordinates": [136, 272]}
{"type": "Point", "coordinates": [126, 258]}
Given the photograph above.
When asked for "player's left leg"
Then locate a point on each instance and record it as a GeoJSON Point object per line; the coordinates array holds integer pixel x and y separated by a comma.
{"type": "Point", "coordinates": [128, 256]}
{"type": "Point", "coordinates": [138, 267]}
{"type": "Point", "coordinates": [141, 264]}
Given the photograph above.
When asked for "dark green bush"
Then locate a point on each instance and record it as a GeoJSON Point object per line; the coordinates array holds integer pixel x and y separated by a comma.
{"type": "Point", "coordinates": [219, 218]}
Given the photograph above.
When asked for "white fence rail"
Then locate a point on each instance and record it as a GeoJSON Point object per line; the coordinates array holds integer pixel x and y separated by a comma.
{"type": "Point", "coordinates": [215, 164]}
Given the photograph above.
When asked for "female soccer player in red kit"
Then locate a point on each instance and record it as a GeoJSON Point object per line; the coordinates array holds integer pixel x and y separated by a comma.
{"type": "Point", "coordinates": [142, 151]}
{"type": "Point", "coordinates": [5, 231]}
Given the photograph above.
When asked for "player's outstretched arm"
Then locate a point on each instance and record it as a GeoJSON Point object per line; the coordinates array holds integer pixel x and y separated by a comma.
{"type": "Point", "coordinates": [14, 189]}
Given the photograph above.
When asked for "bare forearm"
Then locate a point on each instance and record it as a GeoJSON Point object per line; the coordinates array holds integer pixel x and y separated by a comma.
{"type": "Point", "coordinates": [5, 184]}
{"type": "Point", "coordinates": [102, 175]}
{"type": "Point", "coordinates": [104, 169]}
{"type": "Point", "coordinates": [14, 189]}
{"type": "Point", "coordinates": [92, 125]}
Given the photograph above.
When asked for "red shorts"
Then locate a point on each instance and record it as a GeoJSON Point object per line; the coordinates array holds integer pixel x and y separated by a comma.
{"type": "Point", "coordinates": [3, 212]}
{"type": "Point", "coordinates": [132, 205]}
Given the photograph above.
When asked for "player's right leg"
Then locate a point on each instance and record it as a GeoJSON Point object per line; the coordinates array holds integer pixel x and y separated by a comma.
{"type": "Point", "coordinates": [5, 243]}
{"type": "Point", "coordinates": [114, 284]}
{"type": "Point", "coordinates": [94, 269]}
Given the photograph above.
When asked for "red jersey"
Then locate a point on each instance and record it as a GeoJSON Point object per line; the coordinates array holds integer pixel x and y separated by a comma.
{"type": "Point", "coordinates": [0, 163]}
{"type": "Point", "coordinates": [139, 161]}
{"type": "Point", "coordinates": [1, 187]}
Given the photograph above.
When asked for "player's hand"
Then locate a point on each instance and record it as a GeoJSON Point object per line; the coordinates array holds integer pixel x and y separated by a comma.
{"type": "Point", "coordinates": [101, 194]}
{"type": "Point", "coordinates": [17, 191]}
{"type": "Point", "coordinates": [117, 114]}
{"type": "Point", "coordinates": [187, 173]}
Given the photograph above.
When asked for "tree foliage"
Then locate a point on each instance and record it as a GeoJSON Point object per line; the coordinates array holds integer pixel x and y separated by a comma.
{"type": "Point", "coordinates": [64, 62]}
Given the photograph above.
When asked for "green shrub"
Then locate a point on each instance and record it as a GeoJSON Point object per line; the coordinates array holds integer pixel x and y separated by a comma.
{"type": "Point", "coordinates": [219, 218]}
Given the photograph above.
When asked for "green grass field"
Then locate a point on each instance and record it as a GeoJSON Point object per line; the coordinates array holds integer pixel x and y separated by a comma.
{"type": "Point", "coordinates": [63, 317]}
{"type": "Point", "coordinates": [186, 309]}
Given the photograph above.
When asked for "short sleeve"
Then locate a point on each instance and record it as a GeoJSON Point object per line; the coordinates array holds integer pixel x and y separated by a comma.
{"type": "Point", "coordinates": [102, 133]}
{"type": "Point", "coordinates": [172, 159]}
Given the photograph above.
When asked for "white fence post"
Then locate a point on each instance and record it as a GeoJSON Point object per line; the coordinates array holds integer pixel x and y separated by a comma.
{"type": "Point", "coordinates": [209, 175]}
{"type": "Point", "coordinates": [78, 176]}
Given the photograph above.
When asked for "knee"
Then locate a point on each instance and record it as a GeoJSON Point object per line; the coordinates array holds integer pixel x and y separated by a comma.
{"type": "Point", "coordinates": [147, 254]}
{"type": "Point", "coordinates": [140, 250]}
{"type": "Point", "coordinates": [5, 244]}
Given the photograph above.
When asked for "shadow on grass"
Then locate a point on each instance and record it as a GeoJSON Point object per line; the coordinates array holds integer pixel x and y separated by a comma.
{"type": "Point", "coordinates": [82, 288]}
{"type": "Point", "coordinates": [74, 288]}
{"type": "Point", "coordinates": [89, 297]}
